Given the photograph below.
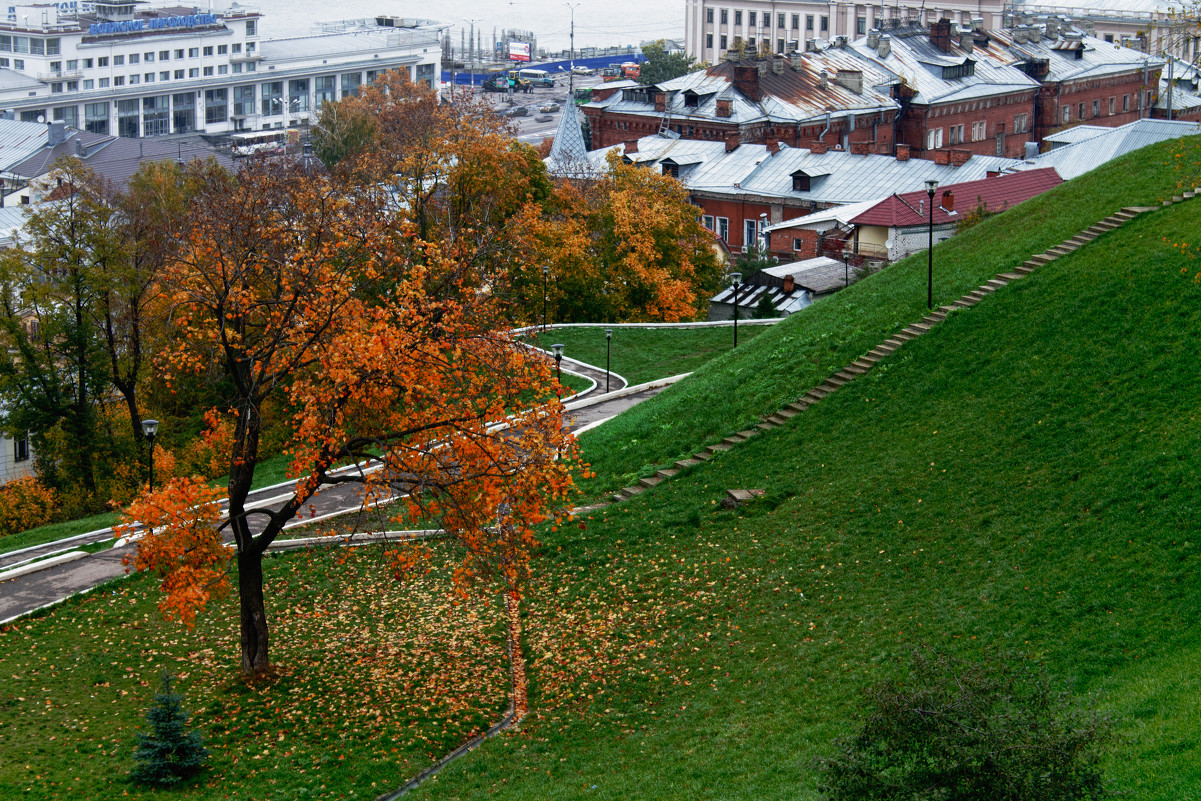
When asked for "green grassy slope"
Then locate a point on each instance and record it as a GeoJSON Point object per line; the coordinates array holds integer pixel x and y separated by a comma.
{"type": "Point", "coordinates": [791, 358]}
{"type": "Point", "coordinates": [1023, 477]}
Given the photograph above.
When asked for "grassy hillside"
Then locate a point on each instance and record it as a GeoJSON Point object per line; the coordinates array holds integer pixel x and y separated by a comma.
{"type": "Point", "coordinates": [1022, 478]}
{"type": "Point", "coordinates": [732, 391]}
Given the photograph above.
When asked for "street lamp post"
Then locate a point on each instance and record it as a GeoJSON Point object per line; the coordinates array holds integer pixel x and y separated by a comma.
{"type": "Point", "coordinates": [608, 342]}
{"type": "Point", "coordinates": [558, 349]}
{"type": "Point", "coordinates": [736, 280]}
{"type": "Point", "coordinates": [150, 429]}
{"type": "Point", "coordinates": [545, 271]}
{"type": "Point", "coordinates": [931, 185]}
{"type": "Point", "coordinates": [846, 267]}
{"type": "Point", "coordinates": [571, 56]}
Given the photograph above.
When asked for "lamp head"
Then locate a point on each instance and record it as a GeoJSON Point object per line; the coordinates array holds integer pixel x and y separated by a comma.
{"type": "Point", "coordinates": [150, 428]}
{"type": "Point", "coordinates": [545, 270]}
{"type": "Point", "coordinates": [930, 187]}
{"type": "Point", "coordinates": [735, 278]}
{"type": "Point", "coordinates": [558, 349]}
{"type": "Point", "coordinates": [608, 333]}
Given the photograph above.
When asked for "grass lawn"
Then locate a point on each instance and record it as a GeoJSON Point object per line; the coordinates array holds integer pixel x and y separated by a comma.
{"type": "Point", "coordinates": [790, 358]}
{"type": "Point", "coordinates": [1022, 479]}
{"type": "Point", "coordinates": [377, 678]}
{"type": "Point", "coordinates": [644, 354]}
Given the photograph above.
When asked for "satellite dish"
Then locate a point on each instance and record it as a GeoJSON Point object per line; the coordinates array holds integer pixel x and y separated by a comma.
{"type": "Point", "coordinates": [41, 118]}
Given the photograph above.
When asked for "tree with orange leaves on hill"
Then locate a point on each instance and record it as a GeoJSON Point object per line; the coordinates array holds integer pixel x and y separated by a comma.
{"type": "Point", "coordinates": [372, 304]}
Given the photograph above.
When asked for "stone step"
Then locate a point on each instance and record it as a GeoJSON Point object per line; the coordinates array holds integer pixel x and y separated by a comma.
{"type": "Point", "coordinates": [881, 351]}
{"type": "Point", "coordinates": [750, 432]}
{"type": "Point", "coordinates": [916, 330]}
{"type": "Point", "coordinates": [1041, 258]}
{"type": "Point", "coordinates": [891, 344]}
{"type": "Point", "coordinates": [765, 425]}
{"type": "Point", "coordinates": [965, 303]}
{"type": "Point", "coordinates": [1025, 269]}
{"type": "Point", "coordinates": [845, 375]}
{"type": "Point", "coordinates": [778, 418]}
{"type": "Point", "coordinates": [813, 396]}
{"type": "Point", "coordinates": [684, 464]}
{"type": "Point", "coordinates": [784, 414]}
{"type": "Point", "coordinates": [718, 448]}
{"type": "Point", "coordinates": [1189, 195]}
{"type": "Point", "coordinates": [650, 482]}
{"type": "Point", "coordinates": [1177, 198]}
{"type": "Point", "coordinates": [830, 388]}
{"type": "Point", "coordinates": [935, 317]}
{"type": "Point", "coordinates": [630, 492]}
{"type": "Point", "coordinates": [733, 439]}
{"type": "Point", "coordinates": [976, 294]}
{"type": "Point", "coordinates": [855, 369]}
{"type": "Point", "coordinates": [798, 406]}
{"type": "Point", "coordinates": [996, 283]}
{"type": "Point", "coordinates": [666, 472]}
{"type": "Point", "coordinates": [835, 380]}
{"type": "Point", "coordinates": [703, 456]}
{"type": "Point", "coordinates": [1061, 250]}
{"type": "Point", "coordinates": [619, 496]}
{"type": "Point", "coordinates": [865, 363]}
{"type": "Point", "coordinates": [904, 336]}
{"type": "Point", "coordinates": [1011, 276]}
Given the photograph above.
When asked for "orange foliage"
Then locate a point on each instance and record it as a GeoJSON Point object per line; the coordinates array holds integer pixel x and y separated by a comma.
{"type": "Point", "coordinates": [180, 543]}
{"type": "Point", "coordinates": [25, 503]}
{"type": "Point", "coordinates": [208, 454]}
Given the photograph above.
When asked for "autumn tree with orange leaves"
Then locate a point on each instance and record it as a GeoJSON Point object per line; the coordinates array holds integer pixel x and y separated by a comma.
{"type": "Point", "coordinates": [372, 301]}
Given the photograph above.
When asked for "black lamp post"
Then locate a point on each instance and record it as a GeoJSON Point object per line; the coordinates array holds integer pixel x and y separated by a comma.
{"type": "Point", "coordinates": [846, 267]}
{"type": "Point", "coordinates": [558, 349]}
{"type": "Point", "coordinates": [930, 187]}
{"type": "Point", "coordinates": [545, 271]}
{"type": "Point", "coordinates": [608, 342]}
{"type": "Point", "coordinates": [736, 280]}
{"type": "Point", "coordinates": [150, 429]}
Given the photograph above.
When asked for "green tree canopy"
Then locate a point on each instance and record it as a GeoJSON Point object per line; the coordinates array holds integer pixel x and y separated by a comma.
{"type": "Point", "coordinates": [661, 65]}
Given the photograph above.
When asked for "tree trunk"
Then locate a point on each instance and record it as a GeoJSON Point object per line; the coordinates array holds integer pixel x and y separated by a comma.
{"type": "Point", "coordinates": [254, 612]}
{"type": "Point", "coordinates": [521, 700]}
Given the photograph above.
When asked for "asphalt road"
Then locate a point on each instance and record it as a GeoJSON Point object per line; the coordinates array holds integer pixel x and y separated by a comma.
{"type": "Point", "coordinates": [24, 594]}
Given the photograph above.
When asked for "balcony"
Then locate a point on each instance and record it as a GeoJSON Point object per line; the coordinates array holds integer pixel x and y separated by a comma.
{"type": "Point", "coordinates": [55, 77]}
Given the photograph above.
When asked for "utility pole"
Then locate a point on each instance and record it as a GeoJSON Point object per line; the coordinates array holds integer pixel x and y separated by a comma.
{"type": "Point", "coordinates": [571, 56]}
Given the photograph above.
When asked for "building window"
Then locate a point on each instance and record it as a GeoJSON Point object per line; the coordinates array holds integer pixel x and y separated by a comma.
{"type": "Point", "coordinates": [208, 72]}
{"type": "Point", "coordinates": [723, 228]}
{"type": "Point", "coordinates": [979, 130]}
{"type": "Point", "coordinates": [825, 24]}
{"type": "Point", "coordinates": [237, 67]}
{"type": "Point", "coordinates": [750, 42]}
{"type": "Point", "coordinates": [779, 45]}
{"type": "Point", "coordinates": [1019, 122]}
{"type": "Point", "coordinates": [750, 233]}
{"type": "Point", "coordinates": [193, 52]}
{"type": "Point", "coordinates": [796, 22]}
{"type": "Point", "coordinates": [179, 54]}
{"type": "Point", "coordinates": [148, 57]}
{"type": "Point", "coordinates": [737, 17]}
{"type": "Point", "coordinates": [183, 112]}
{"type": "Point", "coordinates": [1113, 104]}
{"type": "Point", "coordinates": [21, 449]}
{"type": "Point", "coordinates": [725, 16]}
{"type": "Point", "coordinates": [750, 18]}
{"type": "Point", "coordinates": [709, 41]}
{"type": "Point", "coordinates": [148, 77]}
{"type": "Point", "coordinates": [156, 115]}
{"type": "Point", "coordinates": [215, 105]}
{"type": "Point", "coordinates": [119, 80]}
{"type": "Point", "coordinates": [350, 83]}
{"type": "Point", "coordinates": [102, 61]}
{"type": "Point", "coordinates": [298, 95]}
{"type": "Point", "coordinates": [860, 26]}
{"type": "Point", "coordinates": [1125, 102]}
{"type": "Point", "coordinates": [1067, 114]}
{"type": "Point", "coordinates": [251, 28]}
{"type": "Point", "coordinates": [103, 84]}
{"type": "Point", "coordinates": [134, 79]}
{"type": "Point", "coordinates": [1150, 101]}
{"type": "Point", "coordinates": [222, 69]}
{"type": "Point", "coordinates": [127, 119]}
{"type": "Point", "coordinates": [808, 22]}
{"type": "Point", "coordinates": [88, 83]}
{"type": "Point", "coordinates": [67, 114]}
{"type": "Point", "coordinates": [87, 63]}
{"type": "Point", "coordinates": [72, 86]}
{"type": "Point", "coordinates": [709, 15]}
{"type": "Point", "coordinates": [243, 101]}
{"type": "Point", "coordinates": [1080, 115]}
{"type": "Point", "coordinates": [934, 138]}
{"type": "Point", "coordinates": [117, 61]}
{"type": "Point", "coordinates": [56, 88]}
{"type": "Point", "coordinates": [164, 55]}
{"type": "Point", "coordinates": [236, 47]}
{"type": "Point", "coordinates": [1096, 108]}
{"type": "Point", "coordinates": [194, 72]}
{"type": "Point", "coordinates": [222, 49]}
{"type": "Point", "coordinates": [707, 221]}
{"type": "Point", "coordinates": [134, 58]}
{"type": "Point", "coordinates": [208, 51]}
{"type": "Point", "coordinates": [723, 41]}
{"type": "Point", "coordinates": [165, 75]}
{"type": "Point", "coordinates": [798, 244]}
{"type": "Point", "coordinates": [954, 134]}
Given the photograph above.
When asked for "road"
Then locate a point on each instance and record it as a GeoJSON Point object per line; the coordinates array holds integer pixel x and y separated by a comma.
{"type": "Point", "coordinates": [529, 130]}
{"type": "Point", "coordinates": [23, 594]}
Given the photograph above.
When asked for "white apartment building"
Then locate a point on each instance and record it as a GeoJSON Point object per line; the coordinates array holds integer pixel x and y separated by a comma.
{"type": "Point", "coordinates": [713, 27]}
{"type": "Point", "coordinates": [122, 67]}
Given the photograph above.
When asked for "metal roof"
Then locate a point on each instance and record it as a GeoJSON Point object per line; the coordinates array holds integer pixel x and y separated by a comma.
{"type": "Point", "coordinates": [1078, 158]}
{"type": "Point", "coordinates": [1076, 133]}
{"type": "Point", "coordinates": [20, 140]}
{"type": "Point", "coordinates": [751, 171]}
{"type": "Point", "coordinates": [750, 295]}
{"type": "Point", "coordinates": [568, 155]}
{"type": "Point", "coordinates": [997, 193]}
{"type": "Point", "coordinates": [1075, 59]}
{"type": "Point", "coordinates": [913, 58]}
{"type": "Point", "coordinates": [821, 220]}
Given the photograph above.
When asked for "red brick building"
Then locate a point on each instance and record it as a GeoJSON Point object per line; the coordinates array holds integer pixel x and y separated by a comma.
{"type": "Point", "coordinates": [828, 97]}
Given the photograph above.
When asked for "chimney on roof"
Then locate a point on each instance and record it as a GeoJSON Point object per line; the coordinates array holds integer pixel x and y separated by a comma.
{"type": "Point", "coordinates": [1020, 34]}
{"type": "Point", "coordinates": [811, 46]}
{"type": "Point", "coordinates": [942, 158]}
{"type": "Point", "coordinates": [817, 148]}
{"type": "Point", "coordinates": [631, 146]}
{"type": "Point", "coordinates": [732, 142]}
{"type": "Point", "coordinates": [1035, 34]}
{"type": "Point", "coordinates": [773, 147]}
{"type": "Point", "coordinates": [948, 201]}
{"type": "Point", "coordinates": [1089, 27]}
{"type": "Point", "coordinates": [978, 24]}
{"type": "Point", "coordinates": [723, 107]}
{"type": "Point", "coordinates": [823, 80]}
{"type": "Point", "coordinates": [840, 41]}
{"type": "Point", "coordinates": [777, 65]}
{"type": "Point", "coordinates": [959, 157]}
{"type": "Point", "coordinates": [940, 35]}
{"type": "Point", "coordinates": [851, 79]}
{"type": "Point", "coordinates": [798, 61]}
{"type": "Point", "coordinates": [1052, 28]}
{"type": "Point", "coordinates": [1031, 150]}
{"type": "Point", "coordinates": [746, 81]}
{"type": "Point", "coordinates": [902, 152]}
{"type": "Point", "coordinates": [660, 101]}
{"type": "Point", "coordinates": [873, 38]}
{"type": "Point", "coordinates": [885, 46]}
{"type": "Point", "coordinates": [57, 133]}
{"type": "Point", "coordinates": [860, 148]}
{"type": "Point", "coordinates": [965, 41]}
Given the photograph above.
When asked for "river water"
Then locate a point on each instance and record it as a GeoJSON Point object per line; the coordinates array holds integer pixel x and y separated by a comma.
{"type": "Point", "coordinates": [597, 24]}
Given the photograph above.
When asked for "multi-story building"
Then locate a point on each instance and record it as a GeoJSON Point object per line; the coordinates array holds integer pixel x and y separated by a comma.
{"type": "Point", "coordinates": [1084, 79]}
{"type": "Point", "coordinates": [803, 99]}
{"type": "Point", "coordinates": [1153, 26]}
{"type": "Point", "coordinates": [132, 70]}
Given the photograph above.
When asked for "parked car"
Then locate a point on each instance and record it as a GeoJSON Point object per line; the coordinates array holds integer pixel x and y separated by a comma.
{"type": "Point", "coordinates": [580, 69]}
{"type": "Point", "coordinates": [516, 111]}
{"type": "Point", "coordinates": [549, 108]}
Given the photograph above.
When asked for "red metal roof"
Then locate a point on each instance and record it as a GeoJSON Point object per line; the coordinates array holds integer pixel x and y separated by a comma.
{"type": "Point", "coordinates": [997, 194]}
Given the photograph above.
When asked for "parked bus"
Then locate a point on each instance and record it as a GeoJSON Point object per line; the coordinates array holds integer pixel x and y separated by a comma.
{"type": "Point", "coordinates": [253, 142]}
{"type": "Point", "coordinates": [583, 96]}
{"type": "Point", "coordinates": [537, 77]}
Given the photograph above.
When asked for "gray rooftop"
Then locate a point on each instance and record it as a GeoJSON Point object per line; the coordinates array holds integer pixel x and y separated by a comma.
{"type": "Point", "coordinates": [1109, 143]}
